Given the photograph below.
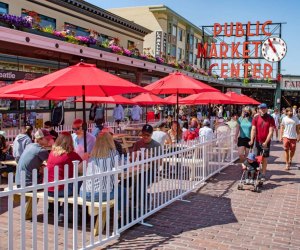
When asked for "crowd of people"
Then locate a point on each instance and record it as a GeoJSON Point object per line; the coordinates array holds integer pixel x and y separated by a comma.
{"type": "Point", "coordinates": [253, 127]}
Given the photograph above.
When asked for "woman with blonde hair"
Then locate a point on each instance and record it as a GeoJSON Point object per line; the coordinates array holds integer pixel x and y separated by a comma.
{"type": "Point", "coordinates": [102, 159]}
{"type": "Point", "coordinates": [62, 154]}
{"type": "Point", "coordinates": [243, 133]}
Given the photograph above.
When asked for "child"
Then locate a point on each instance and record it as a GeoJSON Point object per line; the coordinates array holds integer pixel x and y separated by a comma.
{"type": "Point", "coordinates": [250, 165]}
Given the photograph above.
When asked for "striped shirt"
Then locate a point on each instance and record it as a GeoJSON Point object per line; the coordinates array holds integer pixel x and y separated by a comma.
{"type": "Point", "coordinates": [101, 165]}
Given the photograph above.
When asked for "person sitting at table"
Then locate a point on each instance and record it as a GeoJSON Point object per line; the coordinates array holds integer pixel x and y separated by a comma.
{"type": "Point", "coordinates": [21, 141]}
{"type": "Point", "coordinates": [147, 143]}
{"type": "Point", "coordinates": [48, 125]}
{"type": "Point", "coordinates": [160, 134]}
{"type": "Point", "coordinates": [62, 154]}
{"type": "Point", "coordinates": [102, 159]}
{"type": "Point", "coordinates": [78, 139]}
{"type": "Point", "coordinates": [174, 133]}
{"type": "Point", "coordinates": [33, 157]}
{"type": "Point", "coordinates": [5, 155]}
{"type": "Point", "coordinates": [193, 131]}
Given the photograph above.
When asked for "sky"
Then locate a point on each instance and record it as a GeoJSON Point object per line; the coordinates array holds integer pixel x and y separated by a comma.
{"type": "Point", "coordinates": [201, 12]}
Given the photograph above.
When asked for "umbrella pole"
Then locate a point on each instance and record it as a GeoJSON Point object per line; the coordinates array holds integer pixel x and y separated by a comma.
{"type": "Point", "coordinates": [146, 114]}
{"type": "Point", "coordinates": [177, 114]}
{"type": "Point", "coordinates": [84, 126]}
{"type": "Point", "coordinates": [25, 113]}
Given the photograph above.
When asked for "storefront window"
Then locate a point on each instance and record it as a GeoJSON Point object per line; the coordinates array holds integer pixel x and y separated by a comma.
{"type": "Point", "coordinates": [130, 45]}
{"type": "Point", "coordinates": [3, 8]}
{"type": "Point", "coordinates": [78, 31]}
{"type": "Point", "coordinates": [41, 20]}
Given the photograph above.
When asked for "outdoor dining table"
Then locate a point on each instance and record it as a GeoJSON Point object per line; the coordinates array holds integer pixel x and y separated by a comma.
{"type": "Point", "coordinates": [133, 130]}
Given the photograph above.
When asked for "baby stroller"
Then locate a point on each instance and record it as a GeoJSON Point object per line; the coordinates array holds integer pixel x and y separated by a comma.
{"type": "Point", "coordinates": [256, 181]}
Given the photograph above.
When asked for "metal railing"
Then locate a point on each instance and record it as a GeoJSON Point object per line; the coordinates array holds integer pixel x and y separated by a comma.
{"type": "Point", "coordinates": [137, 186]}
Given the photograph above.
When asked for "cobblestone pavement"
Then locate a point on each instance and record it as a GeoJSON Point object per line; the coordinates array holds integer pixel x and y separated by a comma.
{"type": "Point", "coordinates": [219, 216]}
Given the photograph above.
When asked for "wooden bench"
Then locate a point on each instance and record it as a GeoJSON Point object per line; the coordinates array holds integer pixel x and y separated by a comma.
{"type": "Point", "coordinates": [40, 195]}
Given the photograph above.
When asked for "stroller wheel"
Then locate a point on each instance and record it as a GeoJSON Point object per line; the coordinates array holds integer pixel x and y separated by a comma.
{"type": "Point", "coordinates": [256, 189]}
{"type": "Point", "coordinates": [240, 187]}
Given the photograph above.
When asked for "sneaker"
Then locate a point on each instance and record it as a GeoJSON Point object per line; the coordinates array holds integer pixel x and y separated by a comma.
{"type": "Point", "coordinates": [247, 181]}
{"type": "Point", "coordinates": [251, 181]}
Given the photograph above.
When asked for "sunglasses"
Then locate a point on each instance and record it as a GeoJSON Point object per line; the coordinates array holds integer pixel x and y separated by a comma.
{"type": "Point", "coordinates": [76, 129]}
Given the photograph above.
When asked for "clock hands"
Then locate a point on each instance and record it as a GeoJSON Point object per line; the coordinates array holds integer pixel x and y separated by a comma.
{"type": "Point", "coordinates": [272, 46]}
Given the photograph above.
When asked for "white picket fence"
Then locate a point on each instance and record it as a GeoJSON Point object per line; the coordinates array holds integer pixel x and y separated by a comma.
{"type": "Point", "coordinates": [152, 180]}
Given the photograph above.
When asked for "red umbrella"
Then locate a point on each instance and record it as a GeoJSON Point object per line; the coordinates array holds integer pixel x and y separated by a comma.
{"type": "Point", "coordinates": [236, 98]}
{"type": "Point", "coordinates": [172, 99]}
{"type": "Point", "coordinates": [250, 100]}
{"type": "Point", "coordinates": [207, 98]}
{"type": "Point", "coordinates": [178, 83]}
{"type": "Point", "coordinates": [148, 99]}
{"type": "Point", "coordinates": [110, 99]}
{"type": "Point", "coordinates": [78, 80]}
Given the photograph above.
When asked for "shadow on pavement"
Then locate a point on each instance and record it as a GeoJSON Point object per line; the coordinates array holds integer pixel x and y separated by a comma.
{"type": "Point", "coordinates": [201, 212]}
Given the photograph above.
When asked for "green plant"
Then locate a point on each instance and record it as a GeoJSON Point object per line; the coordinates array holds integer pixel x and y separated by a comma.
{"type": "Point", "coordinates": [48, 29]}
{"type": "Point", "coordinates": [72, 39]}
{"type": "Point", "coordinates": [105, 44]}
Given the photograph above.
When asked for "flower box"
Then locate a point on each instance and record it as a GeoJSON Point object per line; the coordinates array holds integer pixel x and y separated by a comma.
{"type": "Point", "coordinates": [5, 25]}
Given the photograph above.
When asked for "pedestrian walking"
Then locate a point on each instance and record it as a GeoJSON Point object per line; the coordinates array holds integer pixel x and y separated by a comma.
{"type": "Point", "coordinates": [290, 135]}
{"type": "Point", "coordinates": [262, 131]}
{"type": "Point", "coordinates": [276, 117]}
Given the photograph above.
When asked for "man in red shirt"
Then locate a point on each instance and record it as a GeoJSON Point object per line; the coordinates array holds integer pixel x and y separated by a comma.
{"type": "Point", "coordinates": [262, 130]}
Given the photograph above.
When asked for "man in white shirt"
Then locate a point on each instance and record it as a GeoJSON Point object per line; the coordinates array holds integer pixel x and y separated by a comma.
{"type": "Point", "coordinates": [136, 113]}
{"type": "Point", "coordinates": [118, 113]}
{"type": "Point", "coordinates": [276, 117]}
{"type": "Point", "coordinates": [160, 135]}
{"type": "Point", "coordinates": [290, 135]}
{"type": "Point", "coordinates": [206, 133]}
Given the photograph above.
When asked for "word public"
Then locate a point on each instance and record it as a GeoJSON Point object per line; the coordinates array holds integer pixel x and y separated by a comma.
{"type": "Point", "coordinates": [237, 50]}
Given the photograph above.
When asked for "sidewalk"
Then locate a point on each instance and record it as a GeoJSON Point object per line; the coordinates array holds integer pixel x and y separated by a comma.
{"type": "Point", "coordinates": [219, 216]}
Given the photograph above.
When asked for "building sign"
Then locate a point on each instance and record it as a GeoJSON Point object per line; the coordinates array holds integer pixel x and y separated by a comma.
{"type": "Point", "coordinates": [165, 44]}
{"type": "Point", "coordinates": [158, 43]}
{"type": "Point", "coordinates": [11, 75]}
{"type": "Point", "coordinates": [272, 49]}
{"type": "Point", "coordinates": [290, 84]}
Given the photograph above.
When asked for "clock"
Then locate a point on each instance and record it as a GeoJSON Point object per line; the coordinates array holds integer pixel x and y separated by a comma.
{"type": "Point", "coordinates": [273, 49]}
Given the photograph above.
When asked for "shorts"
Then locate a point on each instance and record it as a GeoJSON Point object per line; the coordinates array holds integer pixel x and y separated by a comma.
{"type": "Point", "coordinates": [243, 142]}
{"type": "Point", "coordinates": [289, 144]}
{"type": "Point", "coordinates": [265, 151]}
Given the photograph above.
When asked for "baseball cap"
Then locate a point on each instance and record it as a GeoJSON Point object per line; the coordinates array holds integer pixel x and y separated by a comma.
{"type": "Point", "coordinates": [251, 156]}
{"type": "Point", "coordinates": [262, 106]}
{"type": "Point", "coordinates": [147, 128]}
{"type": "Point", "coordinates": [41, 133]}
{"type": "Point", "coordinates": [107, 129]}
{"type": "Point", "coordinates": [206, 122]}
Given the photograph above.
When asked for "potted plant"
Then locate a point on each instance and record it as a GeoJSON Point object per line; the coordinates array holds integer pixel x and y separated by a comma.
{"type": "Point", "coordinates": [16, 22]}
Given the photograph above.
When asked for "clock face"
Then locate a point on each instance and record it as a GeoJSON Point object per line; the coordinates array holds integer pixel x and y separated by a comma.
{"type": "Point", "coordinates": [273, 49]}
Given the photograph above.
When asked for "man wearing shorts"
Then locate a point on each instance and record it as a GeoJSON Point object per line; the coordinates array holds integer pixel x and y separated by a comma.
{"type": "Point", "coordinates": [262, 131]}
{"type": "Point", "coordinates": [290, 134]}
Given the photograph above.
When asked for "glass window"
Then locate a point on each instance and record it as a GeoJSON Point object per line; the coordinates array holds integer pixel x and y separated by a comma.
{"type": "Point", "coordinates": [174, 30]}
{"type": "Point", "coordinates": [180, 35]}
{"type": "Point", "coordinates": [169, 28]}
{"type": "Point", "coordinates": [78, 31]}
{"type": "Point", "coordinates": [130, 45]}
{"type": "Point", "coordinates": [191, 57]}
{"type": "Point", "coordinates": [179, 53]}
{"type": "Point", "coordinates": [41, 20]}
{"type": "Point", "coordinates": [195, 59]}
{"type": "Point", "coordinates": [191, 41]}
{"type": "Point", "coordinates": [196, 42]}
{"type": "Point", "coordinates": [3, 8]}
{"type": "Point", "coordinates": [173, 50]}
